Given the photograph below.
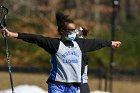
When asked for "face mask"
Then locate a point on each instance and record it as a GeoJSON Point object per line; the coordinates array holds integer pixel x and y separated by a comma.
{"type": "Point", "coordinates": [71, 37]}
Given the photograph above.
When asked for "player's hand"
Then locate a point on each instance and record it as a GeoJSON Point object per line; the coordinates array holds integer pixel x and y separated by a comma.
{"type": "Point", "coordinates": [5, 32]}
{"type": "Point", "coordinates": [116, 44]}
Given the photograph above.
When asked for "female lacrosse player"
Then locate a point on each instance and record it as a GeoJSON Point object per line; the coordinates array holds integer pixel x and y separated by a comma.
{"type": "Point", "coordinates": [84, 88]}
{"type": "Point", "coordinates": [66, 54]}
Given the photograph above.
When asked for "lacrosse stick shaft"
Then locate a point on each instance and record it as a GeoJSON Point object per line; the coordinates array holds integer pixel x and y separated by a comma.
{"type": "Point", "coordinates": [8, 61]}
{"type": "Point", "coordinates": [3, 13]}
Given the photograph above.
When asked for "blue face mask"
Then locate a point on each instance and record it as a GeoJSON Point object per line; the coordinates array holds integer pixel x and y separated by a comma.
{"type": "Point", "coordinates": [71, 37]}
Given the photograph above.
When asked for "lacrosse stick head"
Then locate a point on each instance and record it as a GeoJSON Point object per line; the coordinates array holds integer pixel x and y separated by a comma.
{"type": "Point", "coordinates": [3, 13]}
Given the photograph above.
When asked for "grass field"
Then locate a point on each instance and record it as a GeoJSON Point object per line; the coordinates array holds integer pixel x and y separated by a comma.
{"type": "Point", "coordinates": [119, 86]}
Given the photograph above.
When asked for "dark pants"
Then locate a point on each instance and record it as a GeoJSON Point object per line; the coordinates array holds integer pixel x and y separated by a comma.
{"type": "Point", "coordinates": [84, 88]}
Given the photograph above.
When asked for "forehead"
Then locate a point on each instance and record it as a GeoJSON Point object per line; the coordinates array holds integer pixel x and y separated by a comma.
{"type": "Point", "coordinates": [71, 26]}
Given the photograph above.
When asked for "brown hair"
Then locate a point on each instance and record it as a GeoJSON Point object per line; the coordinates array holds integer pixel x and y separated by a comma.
{"type": "Point", "coordinates": [85, 31]}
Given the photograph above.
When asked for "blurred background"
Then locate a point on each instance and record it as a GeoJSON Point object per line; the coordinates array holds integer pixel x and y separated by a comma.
{"type": "Point", "coordinates": [114, 70]}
